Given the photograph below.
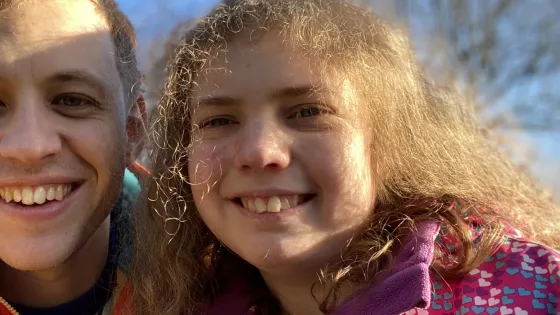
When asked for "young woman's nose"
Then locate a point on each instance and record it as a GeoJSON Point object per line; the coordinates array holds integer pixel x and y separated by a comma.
{"type": "Point", "coordinates": [262, 146]}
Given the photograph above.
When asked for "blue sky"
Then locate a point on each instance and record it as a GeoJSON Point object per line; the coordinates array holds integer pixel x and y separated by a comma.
{"type": "Point", "coordinates": [153, 19]}
{"type": "Point", "coordinates": [157, 17]}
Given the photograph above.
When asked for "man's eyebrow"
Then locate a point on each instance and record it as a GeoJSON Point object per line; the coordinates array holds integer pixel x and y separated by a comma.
{"type": "Point", "coordinates": [83, 77]}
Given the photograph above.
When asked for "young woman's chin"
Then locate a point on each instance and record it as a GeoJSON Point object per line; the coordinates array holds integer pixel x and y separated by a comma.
{"type": "Point", "coordinates": [294, 255]}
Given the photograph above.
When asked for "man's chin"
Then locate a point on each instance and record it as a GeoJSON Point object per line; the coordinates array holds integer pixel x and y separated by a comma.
{"type": "Point", "coordinates": [38, 257]}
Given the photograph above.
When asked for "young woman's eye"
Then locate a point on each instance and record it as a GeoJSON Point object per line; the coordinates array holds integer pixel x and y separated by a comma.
{"type": "Point", "coordinates": [216, 122]}
{"type": "Point", "coordinates": [307, 111]}
{"type": "Point", "coordinates": [73, 101]}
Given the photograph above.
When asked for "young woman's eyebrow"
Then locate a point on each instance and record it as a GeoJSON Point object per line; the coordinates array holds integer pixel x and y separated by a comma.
{"type": "Point", "coordinates": [295, 91]}
{"type": "Point", "coordinates": [218, 101]}
{"type": "Point", "coordinates": [283, 93]}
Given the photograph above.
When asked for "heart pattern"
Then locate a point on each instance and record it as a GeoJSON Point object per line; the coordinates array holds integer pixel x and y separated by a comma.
{"type": "Point", "coordinates": [521, 278]}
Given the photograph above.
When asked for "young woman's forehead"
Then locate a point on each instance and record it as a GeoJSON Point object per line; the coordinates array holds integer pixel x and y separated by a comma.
{"type": "Point", "coordinates": [266, 57]}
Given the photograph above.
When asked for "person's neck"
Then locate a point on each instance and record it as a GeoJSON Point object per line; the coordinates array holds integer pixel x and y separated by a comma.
{"type": "Point", "coordinates": [294, 292]}
{"type": "Point", "coordinates": [62, 283]}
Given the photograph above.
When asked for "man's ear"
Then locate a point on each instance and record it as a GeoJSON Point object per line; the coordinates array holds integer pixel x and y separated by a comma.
{"type": "Point", "coordinates": [136, 129]}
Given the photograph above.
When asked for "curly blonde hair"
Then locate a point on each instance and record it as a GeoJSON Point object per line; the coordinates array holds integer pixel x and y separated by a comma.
{"type": "Point", "coordinates": [429, 153]}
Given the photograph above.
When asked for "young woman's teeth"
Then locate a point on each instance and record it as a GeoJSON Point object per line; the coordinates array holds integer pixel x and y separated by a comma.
{"type": "Point", "coordinates": [35, 195]}
{"type": "Point", "coordinates": [271, 204]}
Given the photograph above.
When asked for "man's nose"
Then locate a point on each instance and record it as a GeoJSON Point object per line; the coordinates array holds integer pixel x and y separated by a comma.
{"type": "Point", "coordinates": [28, 133]}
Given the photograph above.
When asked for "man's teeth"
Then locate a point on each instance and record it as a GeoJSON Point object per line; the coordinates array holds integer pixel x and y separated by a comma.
{"type": "Point", "coordinates": [271, 204]}
{"type": "Point", "coordinates": [35, 195]}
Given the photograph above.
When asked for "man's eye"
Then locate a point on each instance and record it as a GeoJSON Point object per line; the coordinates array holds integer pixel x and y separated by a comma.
{"type": "Point", "coordinates": [72, 101]}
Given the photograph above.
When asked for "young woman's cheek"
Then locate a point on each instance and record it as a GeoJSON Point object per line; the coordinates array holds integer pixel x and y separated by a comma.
{"type": "Point", "coordinates": [206, 165]}
{"type": "Point", "coordinates": [341, 166]}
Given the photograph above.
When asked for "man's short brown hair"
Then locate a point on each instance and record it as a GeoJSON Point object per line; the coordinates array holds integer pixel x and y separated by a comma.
{"type": "Point", "coordinates": [124, 39]}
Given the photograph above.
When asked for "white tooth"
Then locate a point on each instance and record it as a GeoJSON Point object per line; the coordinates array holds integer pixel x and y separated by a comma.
{"type": "Point", "coordinates": [293, 201]}
{"type": "Point", "coordinates": [274, 204]}
{"type": "Point", "coordinates": [8, 195]}
{"type": "Point", "coordinates": [260, 206]}
{"type": "Point", "coordinates": [16, 194]}
{"type": "Point", "coordinates": [59, 193]}
{"type": "Point", "coordinates": [2, 193]}
{"type": "Point", "coordinates": [40, 195]}
{"type": "Point", "coordinates": [251, 205]}
{"type": "Point", "coordinates": [67, 189]}
{"type": "Point", "coordinates": [244, 202]}
{"type": "Point", "coordinates": [26, 196]}
{"type": "Point", "coordinates": [284, 204]}
{"type": "Point", "coordinates": [51, 193]}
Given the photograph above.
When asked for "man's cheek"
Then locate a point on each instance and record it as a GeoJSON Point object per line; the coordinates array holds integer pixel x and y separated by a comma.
{"type": "Point", "coordinates": [105, 147]}
{"type": "Point", "coordinates": [103, 152]}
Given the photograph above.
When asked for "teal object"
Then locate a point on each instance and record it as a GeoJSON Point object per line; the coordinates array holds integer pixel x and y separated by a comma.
{"type": "Point", "coordinates": [131, 189]}
{"type": "Point", "coordinates": [122, 218]}
{"type": "Point", "coordinates": [131, 184]}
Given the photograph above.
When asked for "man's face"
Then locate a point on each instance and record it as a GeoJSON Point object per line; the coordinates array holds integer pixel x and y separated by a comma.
{"type": "Point", "coordinates": [62, 130]}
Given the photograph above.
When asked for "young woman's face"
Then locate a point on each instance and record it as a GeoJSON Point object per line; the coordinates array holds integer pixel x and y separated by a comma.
{"type": "Point", "coordinates": [280, 172]}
